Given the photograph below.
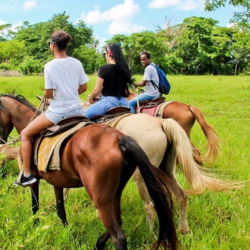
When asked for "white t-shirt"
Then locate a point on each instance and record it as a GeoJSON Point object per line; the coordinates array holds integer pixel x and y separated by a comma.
{"type": "Point", "coordinates": [64, 76]}
{"type": "Point", "coordinates": [150, 73]}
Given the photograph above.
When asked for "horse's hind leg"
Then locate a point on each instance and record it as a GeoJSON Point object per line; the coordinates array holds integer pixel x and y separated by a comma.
{"type": "Point", "coordinates": [60, 205]}
{"type": "Point", "coordinates": [148, 205]}
{"type": "Point", "coordinates": [108, 207]}
{"type": "Point", "coordinates": [168, 166]}
{"type": "Point", "coordinates": [106, 213]}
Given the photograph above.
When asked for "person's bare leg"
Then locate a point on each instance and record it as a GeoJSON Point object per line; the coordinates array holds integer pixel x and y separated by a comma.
{"type": "Point", "coordinates": [35, 127]}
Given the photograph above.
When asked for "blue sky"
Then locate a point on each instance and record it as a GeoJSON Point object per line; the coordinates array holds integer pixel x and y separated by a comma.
{"type": "Point", "coordinates": [110, 17]}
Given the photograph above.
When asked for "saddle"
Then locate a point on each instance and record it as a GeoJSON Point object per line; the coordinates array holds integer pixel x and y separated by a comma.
{"type": "Point", "coordinates": [66, 124]}
{"type": "Point", "coordinates": [63, 125]}
{"type": "Point", "coordinates": [152, 103]}
{"type": "Point", "coordinates": [110, 114]}
{"type": "Point", "coordinates": [151, 107]}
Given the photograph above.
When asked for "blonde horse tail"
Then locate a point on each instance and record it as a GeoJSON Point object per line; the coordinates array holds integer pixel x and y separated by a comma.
{"type": "Point", "coordinates": [197, 179]}
{"type": "Point", "coordinates": [210, 133]}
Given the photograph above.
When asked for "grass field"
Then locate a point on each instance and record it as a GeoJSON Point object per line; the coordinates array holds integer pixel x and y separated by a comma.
{"type": "Point", "coordinates": [216, 220]}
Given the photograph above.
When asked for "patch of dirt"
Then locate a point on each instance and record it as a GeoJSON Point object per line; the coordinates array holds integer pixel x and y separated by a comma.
{"type": "Point", "coordinates": [9, 73]}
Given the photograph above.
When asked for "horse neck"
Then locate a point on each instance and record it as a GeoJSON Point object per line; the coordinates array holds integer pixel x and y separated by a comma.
{"type": "Point", "coordinates": [20, 115]}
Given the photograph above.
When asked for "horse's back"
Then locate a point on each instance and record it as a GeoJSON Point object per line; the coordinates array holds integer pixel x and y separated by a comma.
{"type": "Point", "coordinates": [148, 133]}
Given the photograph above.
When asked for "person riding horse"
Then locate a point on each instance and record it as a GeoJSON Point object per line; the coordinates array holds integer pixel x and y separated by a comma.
{"type": "Point", "coordinates": [112, 83]}
{"type": "Point", "coordinates": [150, 75]}
{"type": "Point", "coordinates": [65, 80]}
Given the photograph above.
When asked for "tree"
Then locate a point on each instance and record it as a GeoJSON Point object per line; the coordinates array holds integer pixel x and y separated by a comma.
{"type": "Point", "coordinates": [240, 49]}
{"type": "Point", "coordinates": [11, 53]}
{"type": "Point", "coordinates": [240, 17]}
{"type": "Point", "coordinates": [36, 37]}
{"type": "Point", "coordinates": [195, 44]}
{"type": "Point", "coordinates": [136, 43]}
{"type": "Point", "coordinates": [4, 32]}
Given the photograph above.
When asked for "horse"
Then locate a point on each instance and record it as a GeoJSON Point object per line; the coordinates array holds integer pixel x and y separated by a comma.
{"type": "Point", "coordinates": [104, 172]}
{"type": "Point", "coordinates": [163, 140]}
{"type": "Point", "coordinates": [154, 137]}
{"type": "Point", "coordinates": [186, 116]}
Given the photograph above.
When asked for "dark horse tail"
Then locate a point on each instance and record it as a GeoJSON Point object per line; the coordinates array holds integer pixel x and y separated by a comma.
{"type": "Point", "coordinates": [155, 181]}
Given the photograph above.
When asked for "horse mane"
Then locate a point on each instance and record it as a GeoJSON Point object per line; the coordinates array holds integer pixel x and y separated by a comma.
{"type": "Point", "coordinates": [22, 100]}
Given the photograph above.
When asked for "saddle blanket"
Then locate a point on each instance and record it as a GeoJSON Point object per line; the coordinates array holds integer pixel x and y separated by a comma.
{"type": "Point", "coordinates": [49, 149]}
{"type": "Point", "coordinates": [156, 111]}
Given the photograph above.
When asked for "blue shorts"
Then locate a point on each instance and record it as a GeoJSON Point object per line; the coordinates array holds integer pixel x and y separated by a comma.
{"type": "Point", "coordinates": [106, 103]}
{"type": "Point", "coordinates": [56, 117]}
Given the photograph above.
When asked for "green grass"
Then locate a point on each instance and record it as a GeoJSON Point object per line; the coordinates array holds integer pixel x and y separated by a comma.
{"type": "Point", "coordinates": [216, 220]}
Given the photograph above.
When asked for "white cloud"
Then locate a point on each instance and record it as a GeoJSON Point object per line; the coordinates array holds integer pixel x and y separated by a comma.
{"type": "Point", "coordinates": [124, 11]}
{"type": "Point", "coordinates": [120, 12]}
{"type": "Point", "coordinates": [2, 22]}
{"type": "Point", "coordinates": [123, 27]}
{"type": "Point", "coordinates": [14, 27]}
{"type": "Point", "coordinates": [178, 4]}
{"type": "Point", "coordinates": [230, 25]}
{"type": "Point", "coordinates": [119, 15]}
{"type": "Point", "coordinates": [29, 4]}
{"type": "Point", "coordinates": [158, 4]}
{"type": "Point", "coordinates": [102, 42]}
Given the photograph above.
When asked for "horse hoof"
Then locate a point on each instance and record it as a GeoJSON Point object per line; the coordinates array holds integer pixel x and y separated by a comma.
{"type": "Point", "coordinates": [184, 231]}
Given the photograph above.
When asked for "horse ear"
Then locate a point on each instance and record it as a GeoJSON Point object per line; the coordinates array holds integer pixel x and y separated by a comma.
{"type": "Point", "coordinates": [12, 92]}
{"type": "Point", "coordinates": [39, 97]}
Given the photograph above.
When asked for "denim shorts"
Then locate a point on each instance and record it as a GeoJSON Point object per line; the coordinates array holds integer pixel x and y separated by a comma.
{"type": "Point", "coordinates": [56, 117]}
{"type": "Point", "coordinates": [106, 103]}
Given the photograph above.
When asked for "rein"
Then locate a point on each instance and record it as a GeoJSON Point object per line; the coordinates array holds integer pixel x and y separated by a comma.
{"type": "Point", "coordinates": [13, 141]}
{"type": "Point", "coordinates": [137, 99]}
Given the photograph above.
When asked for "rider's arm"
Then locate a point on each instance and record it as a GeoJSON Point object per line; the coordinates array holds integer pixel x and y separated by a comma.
{"type": "Point", "coordinates": [98, 88]}
{"type": "Point", "coordinates": [82, 88]}
{"type": "Point", "coordinates": [141, 84]}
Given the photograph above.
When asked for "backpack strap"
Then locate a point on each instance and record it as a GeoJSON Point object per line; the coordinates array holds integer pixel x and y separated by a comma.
{"type": "Point", "coordinates": [153, 83]}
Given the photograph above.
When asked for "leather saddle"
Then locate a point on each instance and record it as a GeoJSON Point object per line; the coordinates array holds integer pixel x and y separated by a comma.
{"type": "Point", "coordinates": [152, 103]}
{"type": "Point", "coordinates": [111, 113]}
{"type": "Point", "coordinates": [62, 126]}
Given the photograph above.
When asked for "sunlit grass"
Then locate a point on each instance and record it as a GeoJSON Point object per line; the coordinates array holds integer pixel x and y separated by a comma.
{"type": "Point", "coordinates": [216, 220]}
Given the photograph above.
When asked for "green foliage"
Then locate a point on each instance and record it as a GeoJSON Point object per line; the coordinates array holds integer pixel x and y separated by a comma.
{"type": "Point", "coordinates": [30, 65]}
{"type": "Point", "coordinates": [35, 38]}
{"type": "Point", "coordinates": [241, 15]}
{"type": "Point", "coordinates": [216, 220]}
{"type": "Point", "coordinates": [197, 46]}
{"type": "Point", "coordinates": [89, 58]}
{"type": "Point", "coordinates": [12, 49]}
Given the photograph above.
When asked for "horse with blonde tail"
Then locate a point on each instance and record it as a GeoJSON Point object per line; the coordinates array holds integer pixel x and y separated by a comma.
{"type": "Point", "coordinates": [185, 115]}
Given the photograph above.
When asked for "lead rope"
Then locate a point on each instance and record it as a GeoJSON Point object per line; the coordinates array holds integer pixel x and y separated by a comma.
{"type": "Point", "coordinates": [137, 100]}
{"type": "Point", "coordinates": [14, 141]}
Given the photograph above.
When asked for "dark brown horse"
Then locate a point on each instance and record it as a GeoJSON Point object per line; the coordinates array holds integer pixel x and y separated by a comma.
{"type": "Point", "coordinates": [102, 160]}
{"type": "Point", "coordinates": [186, 116]}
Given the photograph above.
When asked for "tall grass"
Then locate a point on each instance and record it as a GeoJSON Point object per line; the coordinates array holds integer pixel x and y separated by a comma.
{"type": "Point", "coordinates": [217, 220]}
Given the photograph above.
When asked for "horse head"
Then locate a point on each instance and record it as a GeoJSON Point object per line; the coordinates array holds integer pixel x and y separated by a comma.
{"type": "Point", "coordinates": [6, 125]}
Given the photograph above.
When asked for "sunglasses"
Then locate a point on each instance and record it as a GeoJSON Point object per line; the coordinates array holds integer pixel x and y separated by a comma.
{"type": "Point", "coordinates": [50, 43]}
{"type": "Point", "coordinates": [104, 53]}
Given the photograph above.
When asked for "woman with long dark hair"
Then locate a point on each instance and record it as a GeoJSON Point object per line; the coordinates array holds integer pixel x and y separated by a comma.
{"type": "Point", "coordinates": [112, 83]}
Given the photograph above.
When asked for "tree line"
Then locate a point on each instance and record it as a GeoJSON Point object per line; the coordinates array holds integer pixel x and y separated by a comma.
{"type": "Point", "coordinates": [196, 46]}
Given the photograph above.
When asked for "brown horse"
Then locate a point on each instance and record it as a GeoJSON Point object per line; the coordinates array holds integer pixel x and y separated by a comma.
{"type": "Point", "coordinates": [104, 172]}
{"type": "Point", "coordinates": [186, 116]}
